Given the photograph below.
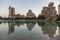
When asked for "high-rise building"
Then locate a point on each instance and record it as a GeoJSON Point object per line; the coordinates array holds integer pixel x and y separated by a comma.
{"type": "Point", "coordinates": [49, 11]}
{"type": "Point", "coordinates": [59, 9]}
{"type": "Point", "coordinates": [30, 14]}
{"type": "Point", "coordinates": [11, 12]}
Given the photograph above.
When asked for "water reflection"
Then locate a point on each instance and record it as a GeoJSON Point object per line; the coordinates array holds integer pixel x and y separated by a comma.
{"type": "Point", "coordinates": [30, 25]}
{"type": "Point", "coordinates": [18, 23]}
{"type": "Point", "coordinates": [0, 22]}
{"type": "Point", "coordinates": [47, 28]}
{"type": "Point", "coordinates": [11, 27]}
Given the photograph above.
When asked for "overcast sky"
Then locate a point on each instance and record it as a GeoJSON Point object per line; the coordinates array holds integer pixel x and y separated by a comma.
{"type": "Point", "coordinates": [22, 6]}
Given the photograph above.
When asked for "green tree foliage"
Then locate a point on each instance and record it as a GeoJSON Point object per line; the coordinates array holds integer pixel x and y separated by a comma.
{"type": "Point", "coordinates": [58, 18]}
{"type": "Point", "coordinates": [0, 17]}
{"type": "Point", "coordinates": [41, 17]}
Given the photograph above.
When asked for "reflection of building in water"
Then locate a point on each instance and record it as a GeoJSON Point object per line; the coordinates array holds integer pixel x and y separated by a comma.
{"type": "Point", "coordinates": [11, 28]}
{"type": "Point", "coordinates": [13, 24]}
{"type": "Point", "coordinates": [57, 37]}
{"type": "Point", "coordinates": [49, 29]}
{"type": "Point", "coordinates": [30, 25]}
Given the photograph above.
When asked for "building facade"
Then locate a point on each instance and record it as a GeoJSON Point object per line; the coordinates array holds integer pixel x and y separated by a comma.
{"type": "Point", "coordinates": [59, 9]}
{"type": "Point", "coordinates": [11, 12]}
{"type": "Point", "coordinates": [49, 11]}
{"type": "Point", "coordinates": [30, 14]}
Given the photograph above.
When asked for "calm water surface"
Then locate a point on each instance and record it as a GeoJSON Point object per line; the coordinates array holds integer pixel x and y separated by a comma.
{"type": "Point", "coordinates": [29, 31]}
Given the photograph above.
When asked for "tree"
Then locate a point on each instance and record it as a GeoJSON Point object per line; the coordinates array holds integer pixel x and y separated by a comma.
{"type": "Point", "coordinates": [58, 18]}
{"type": "Point", "coordinates": [41, 17]}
